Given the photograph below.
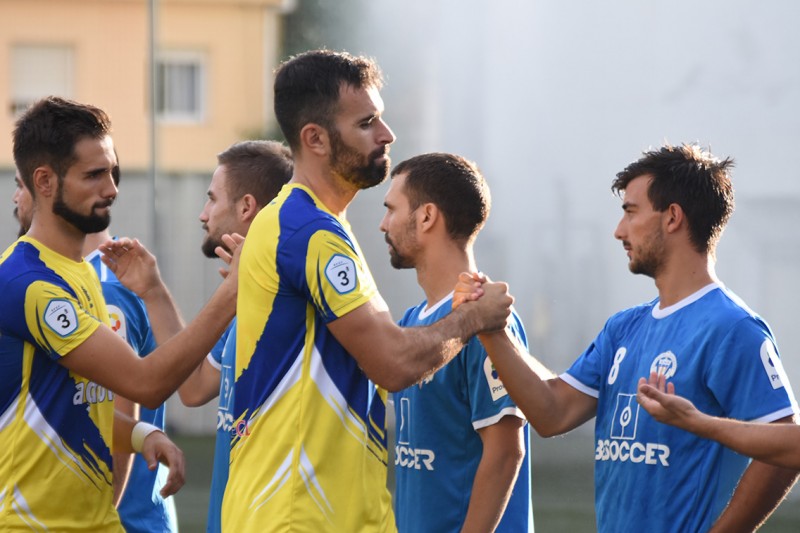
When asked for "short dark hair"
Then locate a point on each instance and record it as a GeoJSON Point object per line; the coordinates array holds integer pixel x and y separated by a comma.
{"type": "Point", "coordinates": [46, 134]}
{"type": "Point", "coordinates": [452, 183]}
{"type": "Point", "coordinates": [689, 176]}
{"type": "Point", "coordinates": [307, 88]}
{"type": "Point", "coordinates": [259, 168]}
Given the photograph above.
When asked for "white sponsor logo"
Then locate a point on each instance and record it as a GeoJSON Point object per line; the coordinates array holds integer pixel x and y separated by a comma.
{"type": "Point", "coordinates": [61, 317]}
{"type": "Point", "coordinates": [626, 417]}
{"type": "Point", "coordinates": [341, 273]}
{"type": "Point", "coordinates": [415, 458]}
{"type": "Point", "coordinates": [496, 386]}
{"type": "Point", "coordinates": [665, 364]}
{"type": "Point", "coordinates": [649, 453]}
{"type": "Point", "coordinates": [90, 392]}
{"type": "Point", "coordinates": [772, 365]}
{"type": "Point", "coordinates": [118, 322]}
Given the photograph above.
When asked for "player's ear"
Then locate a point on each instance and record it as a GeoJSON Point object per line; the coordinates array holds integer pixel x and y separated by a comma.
{"type": "Point", "coordinates": [44, 181]}
{"type": "Point", "coordinates": [315, 138]}
{"type": "Point", "coordinates": [428, 214]}
{"type": "Point", "coordinates": [673, 217]}
{"type": "Point", "coordinates": [247, 207]}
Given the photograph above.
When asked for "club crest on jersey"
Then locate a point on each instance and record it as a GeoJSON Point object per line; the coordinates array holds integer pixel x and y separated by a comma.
{"type": "Point", "coordinates": [496, 386]}
{"type": "Point", "coordinates": [118, 322]}
{"type": "Point", "coordinates": [665, 364]}
{"type": "Point", "coordinates": [341, 273]}
{"type": "Point", "coordinates": [61, 317]}
{"type": "Point", "coordinates": [772, 365]}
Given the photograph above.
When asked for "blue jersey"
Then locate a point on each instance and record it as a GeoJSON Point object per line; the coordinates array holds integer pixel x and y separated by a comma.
{"type": "Point", "coordinates": [223, 358]}
{"type": "Point", "coordinates": [721, 356]}
{"type": "Point", "coordinates": [142, 508]}
{"type": "Point", "coordinates": [438, 447]}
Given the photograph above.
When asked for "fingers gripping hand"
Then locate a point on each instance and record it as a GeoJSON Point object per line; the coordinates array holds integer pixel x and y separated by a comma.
{"type": "Point", "coordinates": [494, 306]}
{"type": "Point", "coordinates": [134, 266]}
{"type": "Point", "coordinates": [469, 288]}
{"type": "Point", "coordinates": [157, 448]}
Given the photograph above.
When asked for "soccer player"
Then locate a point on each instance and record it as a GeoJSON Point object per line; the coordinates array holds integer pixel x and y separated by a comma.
{"type": "Point", "coordinates": [461, 459]}
{"type": "Point", "coordinates": [248, 176]}
{"type": "Point", "coordinates": [648, 476]}
{"type": "Point", "coordinates": [63, 364]}
{"type": "Point", "coordinates": [313, 334]}
{"type": "Point", "coordinates": [141, 507]}
{"type": "Point", "coordinates": [776, 444]}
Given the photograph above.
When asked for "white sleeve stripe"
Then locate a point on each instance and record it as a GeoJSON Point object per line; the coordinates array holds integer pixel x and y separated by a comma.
{"type": "Point", "coordinates": [575, 384]}
{"type": "Point", "coordinates": [213, 362]}
{"type": "Point", "coordinates": [486, 422]}
{"type": "Point", "coordinates": [777, 415]}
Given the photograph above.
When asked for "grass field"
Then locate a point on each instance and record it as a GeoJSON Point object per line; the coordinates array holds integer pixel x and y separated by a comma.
{"type": "Point", "coordinates": [562, 487]}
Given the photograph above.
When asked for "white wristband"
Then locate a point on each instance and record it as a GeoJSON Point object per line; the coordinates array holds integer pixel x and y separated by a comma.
{"type": "Point", "coordinates": [140, 431]}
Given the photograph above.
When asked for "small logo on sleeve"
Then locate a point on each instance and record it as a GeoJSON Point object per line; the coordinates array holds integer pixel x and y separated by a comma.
{"type": "Point", "coordinates": [496, 386]}
{"type": "Point", "coordinates": [772, 365]}
{"type": "Point", "coordinates": [341, 273]}
{"type": "Point", "coordinates": [61, 317]}
{"type": "Point", "coordinates": [118, 322]}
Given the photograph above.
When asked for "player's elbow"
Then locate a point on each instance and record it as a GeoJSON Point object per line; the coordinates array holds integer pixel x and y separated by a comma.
{"type": "Point", "coordinates": [189, 398]}
{"type": "Point", "coordinates": [150, 395]}
{"type": "Point", "coordinates": [392, 383]}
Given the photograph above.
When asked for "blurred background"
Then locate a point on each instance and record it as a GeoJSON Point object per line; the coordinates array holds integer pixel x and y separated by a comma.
{"type": "Point", "coordinates": [550, 98]}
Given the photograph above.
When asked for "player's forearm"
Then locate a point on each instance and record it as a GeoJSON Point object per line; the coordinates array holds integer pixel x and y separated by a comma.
{"type": "Point", "coordinates": [775, 444]}
{"type": "Point", "coordinates": [528, 382]}
{"type": "Point", "coordinates": [165, 318]}
{"type": "Point", "coordinates": [201, 386]}
{"type": "Point", "coordinates": [123, 461]}
{"type": "Point", "coordinates": [491, 490]}
{"type": "Point", "coordinates": [759, 492]}
{"type": "Point", "coordinates": [171, 363]}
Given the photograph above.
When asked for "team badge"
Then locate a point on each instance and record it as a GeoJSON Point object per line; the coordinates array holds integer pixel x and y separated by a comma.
{"type": "Point", "coordinates": [61, 317]}
{"type": "Point", "coordinates": [666, 364]}
{"type": "Point", "coordinates": [341, 273]}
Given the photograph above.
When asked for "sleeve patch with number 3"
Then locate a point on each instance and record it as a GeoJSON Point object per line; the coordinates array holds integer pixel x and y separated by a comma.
{"type": "Point", "coordinates": [341, 273]}
{"type": "Point", "coordinates": [61, 317]}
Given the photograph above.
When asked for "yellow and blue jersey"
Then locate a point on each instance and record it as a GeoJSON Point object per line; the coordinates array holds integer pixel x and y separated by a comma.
{"type": "Point", "coordinates": [308, 451]}
{"type": "Point", "coordinates": [55, 426]}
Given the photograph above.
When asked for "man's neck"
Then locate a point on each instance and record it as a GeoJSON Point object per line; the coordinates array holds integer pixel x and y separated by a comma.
{"type": "Point", "coordinates": [333, 191]}
{"type": "Point", "coordinates": [58, 235]}
{"type": "Point", "coordinates": [437, 272]}
{"type": "Point", "coordinates": [683, 277]}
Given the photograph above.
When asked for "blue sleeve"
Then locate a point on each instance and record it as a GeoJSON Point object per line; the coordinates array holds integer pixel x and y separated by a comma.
{"type": "Point", "coordinates": [747, 377]}
{"type": "Point", "coordinates": [219, 347]}
{"type": "Point", "coordinates": [489, 401]}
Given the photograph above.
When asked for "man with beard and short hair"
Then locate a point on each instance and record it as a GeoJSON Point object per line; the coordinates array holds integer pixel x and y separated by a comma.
{"type": "Point", "coordinates": [309, 447]}
{"type": "Point", "coordinates": [136, 487]}
{"type": "Point", "coordinates": [63, 364]}
{"type": "Point", "coordinates": [461, 459]}
{"type": "Point", "coordinates": [696, 333]}
{"type": "Point", "coordinates": [248, 176]}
